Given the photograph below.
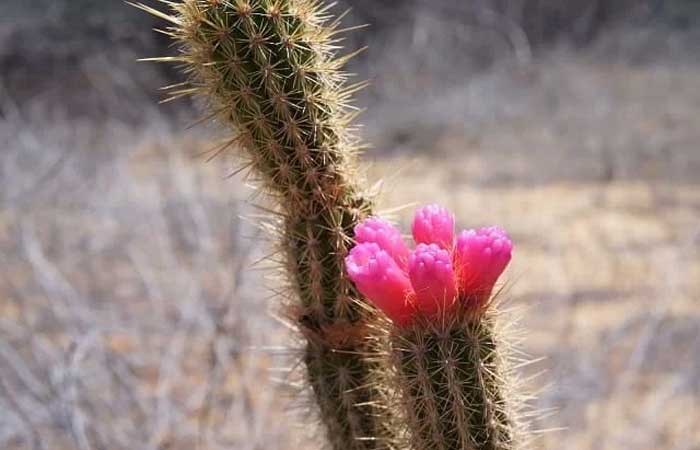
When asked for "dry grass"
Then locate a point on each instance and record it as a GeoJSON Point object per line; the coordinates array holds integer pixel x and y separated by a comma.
{"type": "Point", "coordinates": [128, 314]}
{"type": "Point", "coordinates": [130, 317]}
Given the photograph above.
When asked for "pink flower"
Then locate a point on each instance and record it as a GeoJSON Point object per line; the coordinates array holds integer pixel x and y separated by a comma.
{"type": "Point", "coordinates": [379, 278]}
{"type": "Point", "coordinates": [386, 236]}
{"type": "Point", "coordinates": [434, 224]}
{"type": "Point", "coordinates": [431, 278]}
{"type": "Point", "coordinates": [481, 256]}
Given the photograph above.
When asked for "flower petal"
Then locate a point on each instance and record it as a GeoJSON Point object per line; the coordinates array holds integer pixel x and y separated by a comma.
{"type": "Point", "coordinates": [480, 258]}
{"type": "Point", "coordinates": [432, 277]}
{"type": "Point", "coordinates": [434, 224]}
{"type": "Point", "coordinates": [379, 278]}
{"type": "Point", "coordinates": [385, 235]}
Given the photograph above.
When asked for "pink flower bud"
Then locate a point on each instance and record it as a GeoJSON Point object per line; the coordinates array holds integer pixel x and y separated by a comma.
{"type": "Point", "coordinates": [481, 256]}
{"type": "Point", "coordinates": [432, 278]}
{"type": "Point", "coordinates": [379, 278]}
{"type": "Point", "coordinates": [386, 236]}
{"type": "Point", "coordinates": [438, 272]}
{"type": "Point", "coordinates": [434, 224]}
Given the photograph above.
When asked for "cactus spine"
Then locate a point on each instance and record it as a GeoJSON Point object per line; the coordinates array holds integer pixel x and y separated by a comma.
{"type": "Point", "coordinates": [450, 383]}
{"type": "Point", "coordinates": [268, 69]}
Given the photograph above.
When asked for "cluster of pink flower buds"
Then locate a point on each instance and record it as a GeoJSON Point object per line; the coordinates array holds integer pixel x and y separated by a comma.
{"type": "Point", "coordinates": [439, 272]}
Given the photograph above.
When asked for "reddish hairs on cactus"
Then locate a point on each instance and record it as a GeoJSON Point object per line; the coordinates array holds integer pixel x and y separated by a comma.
{"type": "Point", "coordinates": [447, 378]}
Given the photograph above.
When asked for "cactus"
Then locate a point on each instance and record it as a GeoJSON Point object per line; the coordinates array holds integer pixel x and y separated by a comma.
{"type": "Point", "coordinates": [268, 70]}
{"type": "Point", "coordinates": [447, 376]}
{"type": "Point", "coordinates": [451, 385]}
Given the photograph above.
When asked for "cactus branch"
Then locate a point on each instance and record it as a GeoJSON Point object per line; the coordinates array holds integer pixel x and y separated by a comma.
{"type": "Point", "coordinates": [451, 381]}
{"type": "Point", "coordinates": [269, 72]}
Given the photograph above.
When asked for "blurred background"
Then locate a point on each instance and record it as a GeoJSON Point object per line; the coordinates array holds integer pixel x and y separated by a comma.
{"type": "Point", "coordinates": [131, 309]}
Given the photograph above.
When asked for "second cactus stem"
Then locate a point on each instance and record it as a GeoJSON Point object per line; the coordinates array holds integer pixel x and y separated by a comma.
{"type": "Point", "coordinates": [450, 386]}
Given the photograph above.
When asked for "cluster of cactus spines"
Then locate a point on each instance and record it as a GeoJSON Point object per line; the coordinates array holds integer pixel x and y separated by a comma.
{"type": "Point", "coordinates": [447, 375]}
{"type": "Point", "coordinates": [451, 383]}
{"type": "Point", "coordinates": [268, 70]}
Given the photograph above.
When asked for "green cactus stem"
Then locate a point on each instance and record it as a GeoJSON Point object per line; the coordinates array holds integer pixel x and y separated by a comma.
{"type": "Point", "coordinates": [451, 383]}
{"type": "Point", "coordinates": [268, 71]}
